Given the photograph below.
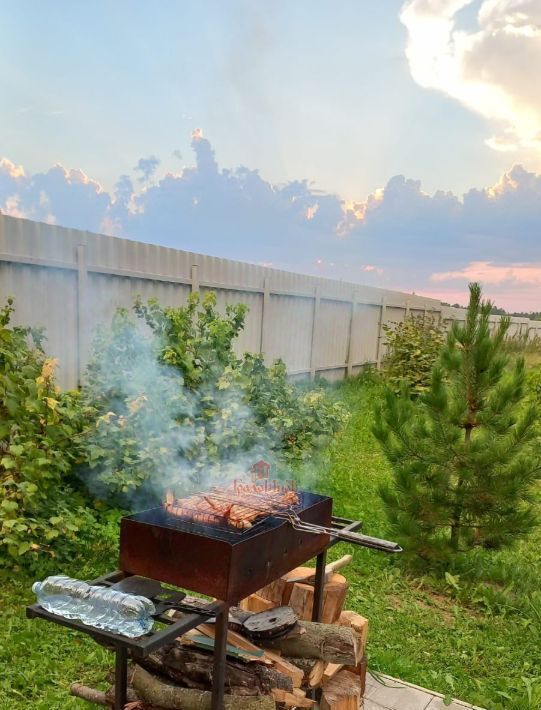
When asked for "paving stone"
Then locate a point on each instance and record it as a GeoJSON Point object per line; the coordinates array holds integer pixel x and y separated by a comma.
{"type": "Point", "coordinates": [371, 705]}
{"type": "Point", "coordinates": [396, 696]}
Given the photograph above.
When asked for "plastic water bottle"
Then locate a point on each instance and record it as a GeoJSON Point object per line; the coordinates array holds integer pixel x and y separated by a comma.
{"type": "Point", "coordinates": [104, 608]}
{"type": "Point", "coordinates": [53, 594]}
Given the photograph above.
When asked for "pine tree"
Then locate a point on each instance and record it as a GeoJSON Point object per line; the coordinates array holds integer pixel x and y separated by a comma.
{"type": "Point", "coordinates": [464, 456]}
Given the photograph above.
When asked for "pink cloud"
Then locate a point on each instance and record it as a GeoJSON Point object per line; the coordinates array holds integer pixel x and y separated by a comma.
{"type": "Point", "coordinates": [370, 268]}
{"type": "Point", "coordinates": [490, 273]}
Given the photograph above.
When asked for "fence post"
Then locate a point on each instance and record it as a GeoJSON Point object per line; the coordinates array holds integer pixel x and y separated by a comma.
{"type": "Point", "coordinates": [383, 315]}
{"type": "Point", "coordinates": [313, 365]}
{"type": "Point", "coordinates": [82, 284]}
{"type": "Point", "coordinates": [349, 353]}
{"type": "Point", "coordinates": [265, 315]}
{"type": "Point", "coordinates": [195, 278]}
{"type": "Point", "coordinates": [407, 314]}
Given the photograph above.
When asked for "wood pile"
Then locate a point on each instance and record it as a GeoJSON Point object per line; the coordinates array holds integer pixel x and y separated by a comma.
{"type": "Point", "coordinates": [310, 664]}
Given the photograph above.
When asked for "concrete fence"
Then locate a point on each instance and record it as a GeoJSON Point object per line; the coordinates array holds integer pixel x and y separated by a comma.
{"type": "Point", "coordinates": [70, 281]}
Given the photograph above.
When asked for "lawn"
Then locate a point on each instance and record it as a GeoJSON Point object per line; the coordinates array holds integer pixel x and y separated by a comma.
{"type": "Point", "coordinates": [480, 644]}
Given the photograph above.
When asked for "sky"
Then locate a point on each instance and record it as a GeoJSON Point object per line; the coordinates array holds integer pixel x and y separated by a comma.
{"type": "Point", "coordinates": [391, 143]}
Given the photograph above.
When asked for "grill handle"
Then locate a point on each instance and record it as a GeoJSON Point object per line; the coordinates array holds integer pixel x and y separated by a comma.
{"type": "Point", "coordinates": [373, 543]}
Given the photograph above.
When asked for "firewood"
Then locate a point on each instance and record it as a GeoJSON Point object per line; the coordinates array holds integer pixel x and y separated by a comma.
{"type": "Point", "coordinates": [313, 670]}
{"type": "Point", "coordinates": [153, 689]}
{"type": "Point", "coordinates": [255, 603]}
{"type": "Point", "coordinates": [331, 670]}
{"type": "Point", "coordinates": [280, 665]}
{"type": "Point", "coordinates": [274, 592]}
{"type": "Point", "coordinates": [302, 600]}
{"type": "Point", "coordinates": [359, 670]}
{"type": "Point", "coordinates": [289, 581]}
{"type": "Point", "coordinates": [307, 575]}
{"type": "Point", "coordinates": [343, 692]}
{"type": "Point", "coordinates": [329, 642]}
{"type": "Point", "coordinates": [334, 596]}
{"type": "Point", "coordinates": [286, 668]}
{"type": "Point", "coordinates": [359, 624]}
{"type": "Point", "coordinates": [292, 700]}
{"type": "Point", "coordinates": [194, 669]}
{"type": "Point", "coordinates": [97, 697]}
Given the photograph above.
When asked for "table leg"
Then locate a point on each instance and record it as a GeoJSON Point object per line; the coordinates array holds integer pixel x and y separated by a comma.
{"type": "Point", "coordinates": [121, 678]}
{"type": "Point", "coordinates": [220, 644]}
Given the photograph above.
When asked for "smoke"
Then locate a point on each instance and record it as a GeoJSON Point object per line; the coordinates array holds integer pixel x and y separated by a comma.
{"type": "Point", "coordinates": [154, 433]}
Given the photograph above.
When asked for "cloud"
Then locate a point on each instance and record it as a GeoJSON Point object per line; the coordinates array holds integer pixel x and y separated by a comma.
{"type": "Point", "coordinates": [489, 69]}
{"type": "Point", "coordinates": [398, 237]}
{"type": "Point", "coordinates": [490, 273]}
{"type": "Point", "coordinates": [58, 196]}
{"type": "Point", "coordinates": [147, 167]}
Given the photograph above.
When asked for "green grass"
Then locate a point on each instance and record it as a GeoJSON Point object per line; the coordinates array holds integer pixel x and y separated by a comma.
{"type": "Point", "coordinates": [478, 642]}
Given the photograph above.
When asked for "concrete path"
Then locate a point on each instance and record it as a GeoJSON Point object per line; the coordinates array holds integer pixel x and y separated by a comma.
{"type": "Point", "coordinates": [393, 694]}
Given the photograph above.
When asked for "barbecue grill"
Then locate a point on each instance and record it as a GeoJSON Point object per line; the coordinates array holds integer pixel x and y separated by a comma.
{"type": "Point", "coordinates": [206, 553]}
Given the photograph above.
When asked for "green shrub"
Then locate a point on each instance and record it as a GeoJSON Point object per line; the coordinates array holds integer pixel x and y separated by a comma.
{"type": "Point", "coordinates": [40, 512]}
{"type": "Point", "coordinates": [175, 406]}
{"type": "Point", "coordinates": [413, 347]}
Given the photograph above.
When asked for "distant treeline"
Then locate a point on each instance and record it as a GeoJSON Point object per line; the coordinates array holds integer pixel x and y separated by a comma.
{"type": "Point", "coordinates": [532, 315]}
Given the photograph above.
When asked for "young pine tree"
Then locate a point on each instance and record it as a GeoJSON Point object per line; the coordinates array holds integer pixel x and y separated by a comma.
{"type": "Point", "coordinates": [464, 455]}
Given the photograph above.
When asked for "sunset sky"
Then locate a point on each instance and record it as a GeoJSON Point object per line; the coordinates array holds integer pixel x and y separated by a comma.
{"type": "Point", "coordinates": [391, 143]}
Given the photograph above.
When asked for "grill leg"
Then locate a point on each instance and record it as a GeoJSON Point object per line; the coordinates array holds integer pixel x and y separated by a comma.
{"type": "Point", "coordinates": [319, 585]}
{"type": "Point", "coordinates": [317, 608]}
{"type": "Point", "coordinates": [218, 674]}
{"type": "Point", "coordinates": [121, 678]}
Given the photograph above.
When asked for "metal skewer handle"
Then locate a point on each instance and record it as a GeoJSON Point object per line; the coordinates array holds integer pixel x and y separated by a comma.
{"type": "Point", "coordinates": [374, 543]}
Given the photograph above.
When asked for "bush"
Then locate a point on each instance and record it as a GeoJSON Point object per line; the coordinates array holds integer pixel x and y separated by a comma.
{"type": "Point", "coordinates": [413, 347]}
{"type": "Point", "coordinates": [175, 406]}
{"type": "Point", "coordinates": [40, 512]}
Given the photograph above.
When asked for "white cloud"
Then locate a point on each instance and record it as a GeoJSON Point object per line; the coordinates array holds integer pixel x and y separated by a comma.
{"type": "Point", "coordinates": [492, 70]}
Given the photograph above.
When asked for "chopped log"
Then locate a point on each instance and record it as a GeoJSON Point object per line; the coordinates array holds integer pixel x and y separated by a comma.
{"type": "Point", "coordinates": [292, 700]}
{"type": "Point", "coordinates": [331, 670]}
{"type": "Point", "coordinates": [274, 591]}
{"type": "Point", "coordinates": [286, 668]}
{"type": "Point", "coordinates": [194, 669]}
{"type": "Point", "coordinates": [343, 692]}
{"type": "Point", "coordinates": [255, 604]}
{"type": "Point", "coordinates": [334, 596]}
{"type": "Point", "coordinates": [98, 697]}
{"type": "Point", "coordinates": [289, 581]}
{"type": "Point", "coordinates": [156, 691]}
{"type": "Point", "coordinates": [358, 623]}
{"type": "Point", "coordinates": [329, 642]}
{"type": "Point", "coordinates": [271, 623]}
{"type": "Point", "coordinates": [312, 668]}
{"type": "Point", "coordinates": [359, 670]}
{"type": "Point", "coordinates": [307, 575]}
{"type": "Point", "coordinates": [302, 600]}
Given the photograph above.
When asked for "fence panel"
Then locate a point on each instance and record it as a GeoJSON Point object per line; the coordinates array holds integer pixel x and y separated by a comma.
{"type": "Point", "coordinates": [70, 281]}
